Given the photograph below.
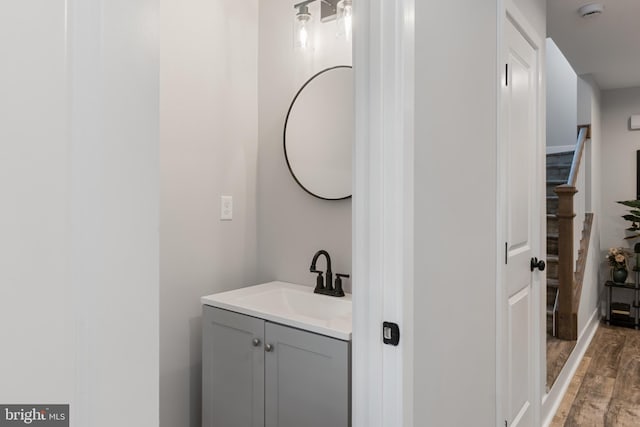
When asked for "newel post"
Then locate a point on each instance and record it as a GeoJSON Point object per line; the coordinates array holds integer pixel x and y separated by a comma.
{"type": "Point", "coordinates": [567, 317]}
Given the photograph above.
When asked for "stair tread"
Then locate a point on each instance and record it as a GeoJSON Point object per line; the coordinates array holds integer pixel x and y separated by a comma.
{"type": "Point", "coordinates": [552, 283]}
{"type": "Point", "coordinates": [560, 153]}
{"type": "Point", "coordinates": [552, 197]}
{"type": "Point", "coordinates": [556, 181]}
{"type": "Point", "coordinates": [552, 258]}
{"type": "Point", "coordinates": [552, 236]}
{"type": "Point", "coordinates": [552, 216]}
{"type": "Point", "coordinates": [550, 311]}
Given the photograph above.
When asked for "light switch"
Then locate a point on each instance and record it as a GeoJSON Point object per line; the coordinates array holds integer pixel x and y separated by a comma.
{"type": "Point", "coordinates": [635, 122]}
{"type": "Point", "coordinates": [226, 208]}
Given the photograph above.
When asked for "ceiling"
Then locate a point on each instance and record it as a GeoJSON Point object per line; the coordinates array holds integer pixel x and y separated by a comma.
{"type": "Point", "coordinates": [606, 46]}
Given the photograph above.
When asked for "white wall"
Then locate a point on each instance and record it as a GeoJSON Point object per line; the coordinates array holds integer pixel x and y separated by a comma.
{"type": "Point", "coordinates": [584, 99]}
{"type": "Point", "coordinates": [36, 309]}
{"type": "Point", "coordinates": [455, 169]}
{"type": "Point", "coordinates": [589, 113]}
{"type": "Point", "coordinates": [293, 225]}
{"type": "Point", "coordinates": [114, 219]}
{"type": "Point", "coordinates": [562, 92]}
{"type": "Point", "coordinates": [208, 134]}
{"type": "Point", "coordinates": [79, 251]}
{"type": "Point", "coordinates": [619, 146]}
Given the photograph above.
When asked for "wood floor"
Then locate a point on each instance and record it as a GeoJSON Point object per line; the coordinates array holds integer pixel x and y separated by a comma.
{"type": "Point", "coordinates": [558, 351]}
{"type": "Point", "coordinates": [605, 390]}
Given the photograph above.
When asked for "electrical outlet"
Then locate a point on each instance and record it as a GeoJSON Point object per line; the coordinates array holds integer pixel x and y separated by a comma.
{"type": "Point", "coordinates": [226, 208]}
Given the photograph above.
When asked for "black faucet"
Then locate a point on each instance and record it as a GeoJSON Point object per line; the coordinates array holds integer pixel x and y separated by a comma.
{"type": "Point", "coordinates": [322, 287]}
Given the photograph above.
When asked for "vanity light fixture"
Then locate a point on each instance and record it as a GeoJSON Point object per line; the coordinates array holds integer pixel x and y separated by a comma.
{"type": "Point", "coordinates": [340, 10]}
{"type": "Point", "coordinates": [344, 18]}
{"type": "Point", "coordinates": [303, 26]}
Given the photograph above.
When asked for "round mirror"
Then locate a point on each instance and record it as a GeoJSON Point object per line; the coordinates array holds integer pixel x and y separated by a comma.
{"type": "Point", "coordinates": [318, 134]}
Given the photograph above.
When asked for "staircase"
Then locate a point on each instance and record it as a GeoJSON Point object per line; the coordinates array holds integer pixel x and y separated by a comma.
{"type": "Point", "coordinates": [558, 167]}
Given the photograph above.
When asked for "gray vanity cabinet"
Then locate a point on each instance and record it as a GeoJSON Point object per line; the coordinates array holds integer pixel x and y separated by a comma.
{"type": "Point", "coordinates": [306, 379]}
{"type": "Point", "coordinates": [232, 369]}
{"type": "Point", "coordinates": [293, 378]}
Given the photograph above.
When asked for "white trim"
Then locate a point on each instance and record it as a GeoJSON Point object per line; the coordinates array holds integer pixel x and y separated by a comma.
{"type": "Point", "coordinates": [551, 401]}
{"type": "Point", "coordinates": [540, 369]}
{"type": "Point", "coordinates": [552, 149]}
{"type": "Point", "coordinates": [508, 10]}
{"type": "Point", "coordinates": [406, 115]}
{"type": "Point", "coordinates": [501, 395]}
{"type": "Point", "coordinates": [383, 211]}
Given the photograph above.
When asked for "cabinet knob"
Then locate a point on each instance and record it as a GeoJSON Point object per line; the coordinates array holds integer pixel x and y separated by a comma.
{"type": "Point", "coordinates": [268, 348]}
{"type": "Point", "coordinates": [256, 342]}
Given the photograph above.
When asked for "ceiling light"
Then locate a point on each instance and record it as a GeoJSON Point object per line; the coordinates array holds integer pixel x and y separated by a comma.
{"type": "Point", "coordinates": [591, 9]}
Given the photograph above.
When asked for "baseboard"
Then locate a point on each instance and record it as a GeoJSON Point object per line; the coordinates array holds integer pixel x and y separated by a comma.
{"type": "Point", "coordinates": [551, 401]}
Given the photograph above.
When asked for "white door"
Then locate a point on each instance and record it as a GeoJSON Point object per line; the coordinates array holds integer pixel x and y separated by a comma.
{"type": "Point", "coordinates": [522, 228]}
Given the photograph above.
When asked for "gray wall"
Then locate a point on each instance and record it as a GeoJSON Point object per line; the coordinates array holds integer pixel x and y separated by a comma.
{"type": "Point", "coordinates": [619, 146]}
{"type": "Point", "coordinates": [293, 225]}
{"type": "Point", "coordinates": [562, 92]}
{"type": "Point", "coordinates": [208, 113]}
{"type": "Point", "coordinates": [618, 172]}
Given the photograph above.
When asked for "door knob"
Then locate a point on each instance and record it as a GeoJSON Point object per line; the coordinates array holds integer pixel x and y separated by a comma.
{"type": "Point", "coordinates": [540, 265]}
{"type": "Point", "coordinates": [268, 348]}
{"type": "Point", "coordinates": [256, 342]}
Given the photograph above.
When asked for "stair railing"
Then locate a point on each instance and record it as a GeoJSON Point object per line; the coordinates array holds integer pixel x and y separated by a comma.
{"type": "Point", "coordinates": [568, 298]}
{"type": "Point", "coordinates": [554, 325]}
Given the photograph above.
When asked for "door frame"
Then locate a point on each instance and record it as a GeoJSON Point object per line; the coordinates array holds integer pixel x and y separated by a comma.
{"type": "Point", "coordinates": [508, 10]}
{"type": "Point", "coordinates": [382, 390]}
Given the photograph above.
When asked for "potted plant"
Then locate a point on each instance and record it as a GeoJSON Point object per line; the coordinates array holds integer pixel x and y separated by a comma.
{"type": "Point", "coordinates": [617, 259]}
{"type": "Point", "coordinates": [633, 217]}
{"type": "Point", "coordinates": [634, 230]}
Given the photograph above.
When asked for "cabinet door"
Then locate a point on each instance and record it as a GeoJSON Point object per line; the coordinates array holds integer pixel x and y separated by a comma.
{"type": "Point", "coordinates": [232, 369]}
{"type": "Point", "coordinates": [307, 379]}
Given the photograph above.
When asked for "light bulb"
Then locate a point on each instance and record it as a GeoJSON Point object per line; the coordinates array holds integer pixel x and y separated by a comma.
{"type": "Point", "coordinates": [303, 29]}
{"type": "Point", "coordinates": [303, 36]}
{"type": "Point", "coordinates": [344, 18]}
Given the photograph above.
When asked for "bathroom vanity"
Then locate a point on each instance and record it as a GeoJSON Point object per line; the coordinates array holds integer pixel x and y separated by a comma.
{"type": "Point", "coordinates": [276, 355]}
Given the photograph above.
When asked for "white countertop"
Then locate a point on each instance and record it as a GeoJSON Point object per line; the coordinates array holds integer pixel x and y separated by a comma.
{"type": "Point", "coordinates": [291, 305]}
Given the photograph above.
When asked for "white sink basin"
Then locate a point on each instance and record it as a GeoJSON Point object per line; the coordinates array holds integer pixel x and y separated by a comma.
{"type": "Point", "coordinates": [289, 304]}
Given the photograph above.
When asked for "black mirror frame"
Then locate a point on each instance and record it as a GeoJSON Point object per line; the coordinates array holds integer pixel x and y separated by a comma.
{"type": "Point", "coordinates": [284, 134]}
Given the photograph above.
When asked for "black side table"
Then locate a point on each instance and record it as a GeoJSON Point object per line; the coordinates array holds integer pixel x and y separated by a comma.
{"type": "Point", "coordinates": [632, 320]}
